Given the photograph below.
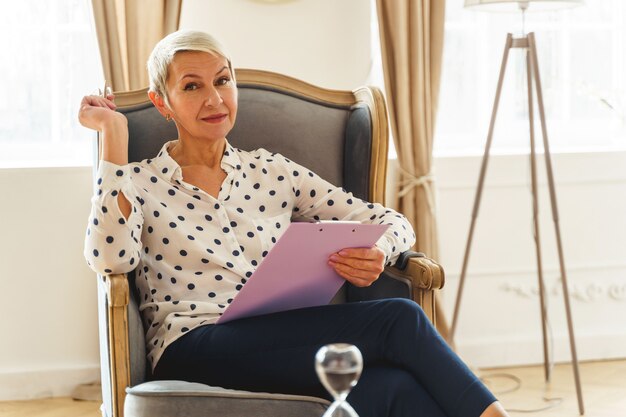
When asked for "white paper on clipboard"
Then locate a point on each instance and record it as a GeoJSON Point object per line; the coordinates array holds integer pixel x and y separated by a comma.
{"type": "Point", "coordinates": [295, 273]}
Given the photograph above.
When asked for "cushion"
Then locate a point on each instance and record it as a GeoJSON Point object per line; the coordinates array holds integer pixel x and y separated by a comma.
{"type": "Point", "coordinates": [180, 398]}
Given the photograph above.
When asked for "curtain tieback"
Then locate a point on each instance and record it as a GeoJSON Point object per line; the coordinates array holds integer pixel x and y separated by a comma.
{"type": "Point", "coordinates": [411, 181]}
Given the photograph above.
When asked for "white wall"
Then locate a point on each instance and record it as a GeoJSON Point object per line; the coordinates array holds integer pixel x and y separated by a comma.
{"type": "Point", "coordinates": [47, 292]}
{"type": "Point", "coordinates": [325, 42]}
{"type": "Point", "coordinates": [499, 320]}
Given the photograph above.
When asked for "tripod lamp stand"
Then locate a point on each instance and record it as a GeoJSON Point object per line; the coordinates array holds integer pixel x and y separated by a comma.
{"type": "Point", "coordinates": [526, 42]}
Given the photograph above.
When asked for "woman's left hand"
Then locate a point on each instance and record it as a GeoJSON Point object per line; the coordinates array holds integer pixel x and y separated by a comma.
{"type": "Point", "coordinates": [359, 266]}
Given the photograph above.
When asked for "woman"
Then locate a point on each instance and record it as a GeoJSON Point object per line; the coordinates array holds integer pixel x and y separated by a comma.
{"type": "Point", "coordinates": [196, 221]}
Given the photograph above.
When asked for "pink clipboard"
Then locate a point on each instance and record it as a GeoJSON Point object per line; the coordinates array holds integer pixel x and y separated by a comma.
{"type": "Point", "coordinates": [295, 273]}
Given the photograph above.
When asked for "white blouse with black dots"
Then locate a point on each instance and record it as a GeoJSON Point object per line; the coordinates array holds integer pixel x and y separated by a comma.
{"type": "Point", "coordinates": [194, 252]}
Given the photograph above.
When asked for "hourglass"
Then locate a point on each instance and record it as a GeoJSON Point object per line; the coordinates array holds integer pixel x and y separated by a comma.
{"type": "Point", "coordinates": [339, 367]}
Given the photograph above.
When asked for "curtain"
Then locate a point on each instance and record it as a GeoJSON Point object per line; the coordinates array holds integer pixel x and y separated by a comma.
{"type": "Point", "coordinates": [411, 37]}
{"type": "Point", "coordinates": [127, 32]}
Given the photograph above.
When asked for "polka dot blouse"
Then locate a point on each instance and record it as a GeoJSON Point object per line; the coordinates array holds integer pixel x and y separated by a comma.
{"type": "Point", "coordinates": [192, 252]}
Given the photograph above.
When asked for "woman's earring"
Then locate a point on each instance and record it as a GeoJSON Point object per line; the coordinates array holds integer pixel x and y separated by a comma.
{"type": "Point", "coordinates": [168, 117]}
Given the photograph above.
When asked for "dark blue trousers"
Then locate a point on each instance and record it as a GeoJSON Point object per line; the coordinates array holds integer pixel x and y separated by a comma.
{"type": "Point", "coordinates": [409, 370]}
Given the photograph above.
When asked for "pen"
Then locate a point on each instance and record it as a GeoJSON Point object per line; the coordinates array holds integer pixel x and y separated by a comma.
{"type": "Point", "coordinates": [106, 91]}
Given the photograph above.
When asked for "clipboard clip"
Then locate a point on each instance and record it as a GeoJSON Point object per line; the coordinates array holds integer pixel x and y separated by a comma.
{"type": "Point", "coordinates": [337, 222]}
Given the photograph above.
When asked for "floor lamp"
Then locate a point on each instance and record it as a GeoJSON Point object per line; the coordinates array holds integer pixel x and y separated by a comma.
{"type": "Point", "coordinates": [527, 43]}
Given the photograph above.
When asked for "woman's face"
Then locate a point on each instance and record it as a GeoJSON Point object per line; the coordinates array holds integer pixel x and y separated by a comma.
{"type": "Point", "coordinates": [202, 95]}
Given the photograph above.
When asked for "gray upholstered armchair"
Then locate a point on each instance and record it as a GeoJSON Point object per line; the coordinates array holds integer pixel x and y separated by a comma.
{"type": "Point", "coordinates": [342, 136]}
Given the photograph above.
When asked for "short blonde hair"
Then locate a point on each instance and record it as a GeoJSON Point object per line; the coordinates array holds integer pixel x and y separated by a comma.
{"type": "Point", "coordinates": [179, 41]}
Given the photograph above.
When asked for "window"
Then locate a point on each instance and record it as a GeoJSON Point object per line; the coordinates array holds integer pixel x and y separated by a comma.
{"type": "Point", "coordinates": [50, 61]}
{"type": "Point", "coordinates": [582, 60]}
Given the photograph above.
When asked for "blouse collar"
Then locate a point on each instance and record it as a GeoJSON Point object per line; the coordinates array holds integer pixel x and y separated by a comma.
{"type": "Point", "coordinates": [169, 169]}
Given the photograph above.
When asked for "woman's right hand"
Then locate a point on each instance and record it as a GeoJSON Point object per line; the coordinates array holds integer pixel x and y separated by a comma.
{"type": "Point", "coordinates": [97, 113]}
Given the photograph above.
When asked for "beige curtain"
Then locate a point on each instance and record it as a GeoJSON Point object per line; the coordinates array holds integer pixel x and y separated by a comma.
{"type": "Point", "coordinates": [411, 36]}
{"type": "Point", "coordinates": [127, 32]}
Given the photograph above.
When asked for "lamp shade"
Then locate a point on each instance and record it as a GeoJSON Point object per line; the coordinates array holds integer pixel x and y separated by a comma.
{"type": "Point", "coordinates": [515, 5]}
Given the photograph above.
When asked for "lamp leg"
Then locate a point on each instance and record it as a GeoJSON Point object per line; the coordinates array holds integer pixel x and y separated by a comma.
{"type": "Point", "coordinates": [479, 189]}
{"type": "Point", "coordinates": [536, 233]}
{"type": "Point", "coordinates": [555, 216]}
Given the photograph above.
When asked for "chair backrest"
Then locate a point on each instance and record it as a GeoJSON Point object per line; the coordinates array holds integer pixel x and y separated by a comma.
{"type": "Point", "coordinates": [340, 135]}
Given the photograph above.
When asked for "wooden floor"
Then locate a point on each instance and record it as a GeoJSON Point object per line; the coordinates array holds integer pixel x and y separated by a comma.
{"type": "Point", "coordinates": [50, 407]}
{"type": "Point", "coordinates": [603, 385]}
{"type": "Point", "coordinates": [604, 388]}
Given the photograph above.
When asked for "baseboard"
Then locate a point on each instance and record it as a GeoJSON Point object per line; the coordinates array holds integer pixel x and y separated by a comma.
{"type": "Point", "coordinates": [46, 383]}
{"type": "Point", "coordinates": [499, 352]}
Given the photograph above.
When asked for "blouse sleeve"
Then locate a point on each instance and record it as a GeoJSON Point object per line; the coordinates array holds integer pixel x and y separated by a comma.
{"type": "Point", "coordinates": [317, 199]}
{"type": "Point", "coordinates": [112, 243]}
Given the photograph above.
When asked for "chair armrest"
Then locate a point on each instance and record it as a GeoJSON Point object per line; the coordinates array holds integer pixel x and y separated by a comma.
{"type": "Point", "coordinates": [118, 293]}
{"type": "Point", "coordinates": [118, 297]}
{"type": "Point", "coordinates": [425, 273]}
{"type": "Point", "coordinates": [414, 276]}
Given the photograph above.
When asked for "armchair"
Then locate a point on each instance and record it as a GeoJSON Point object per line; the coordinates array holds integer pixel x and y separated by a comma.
{"type": "Point", "coordinates": [342, 136]}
